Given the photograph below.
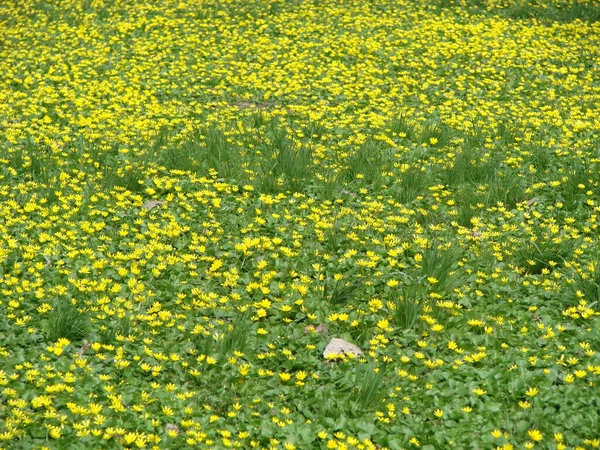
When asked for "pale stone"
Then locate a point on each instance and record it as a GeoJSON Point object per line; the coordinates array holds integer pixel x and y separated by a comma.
{"type": "Point", "coordinates": [339, 346]}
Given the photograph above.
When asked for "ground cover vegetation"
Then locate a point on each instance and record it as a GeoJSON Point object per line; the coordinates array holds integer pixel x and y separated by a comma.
{"type": "Point", "coordinates": [197, 196]}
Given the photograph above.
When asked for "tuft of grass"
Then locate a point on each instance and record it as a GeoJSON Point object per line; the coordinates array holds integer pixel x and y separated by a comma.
{"type": "Point", "coordinates": [368, 383]}
{"type": "Point", "coordinates": [339, 292]}
{"type": "Point", "coordinates": [470, 167]}
{"type": "Point", "coordinates": [189, 154]}
{"type": "Point", "coordinates": [65, 320]}
{"type": "Point", "coordinates": [545, 253]}
{"type": "Point", "coordinates": [407, 306]}
{"type": "Point", "coordinates": [333, 238]}
{"type": "Point", "coordinates": [237, 337]}
{"type": "Point", "coordinates": [367, 164]}
{"type": "Point", "coordinates": [294, 165]}
{"type": "Point", "coordinates": [33, 162]}
{"type": "Point", "coordinates": [467, 199]}
{"type": "Point", "coordinates": [441, 262]}
{"type": "Point", "coordinates": [571, 193]}
{"type": "Point", "coordinates": [121, 326]}
{"type": "Point", "coordinates": [539, 156]}
{"type": "Point", "coordinates": [411, 184]}
{"type": "Point", "coordinates": [130, 178]}
{"type": "Point", "coordinates": [505, 188]}
{"type": "Point", "coordinates": [281, 164]}
{"type": "Point", "coordinates": [401, 126]}
{"type": "Point", "coordinates": [198, 152]}
{"type": "Point", "coordinates": [434, 133]}
{"type": "Point", "coordinates": [267, 182]}
{"type": "Point", "coordinates": [507, 134]}
{"type": "Point", "coordinates": [561, 11]}
{"type": "Point", "coordinates": [588, 282]}
{"type": "Point", "coordinates": [329, 186]}
{"type": "Point", "coordinates": [204, 343]}
{"type": "Point", "coordinates": [220, 155]}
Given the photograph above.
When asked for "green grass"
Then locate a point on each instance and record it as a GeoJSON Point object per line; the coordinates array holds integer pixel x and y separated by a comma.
{"type": "Point", "coordinates": [237, 336]}
{"type": "Point", "coordinates": [545, 253]}
{"type": "Point", "coordinates": [587, 283]}
{"type": "Point", "coordinates": [368, 387]}
{"type": "Point", "coordinates": [441, 263]}
{"type": "Point", "coordinates": [282, 165]}
{"type": "Point", "coordinates": [66, 321]}
{"type": "Point", "coordinates": [406, 309]}
{"type": "Point", "coordinates": [367, 164]}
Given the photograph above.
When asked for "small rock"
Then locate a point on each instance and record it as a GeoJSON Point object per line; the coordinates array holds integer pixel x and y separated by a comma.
{"type": "Point", "coordinates": [339, 346]}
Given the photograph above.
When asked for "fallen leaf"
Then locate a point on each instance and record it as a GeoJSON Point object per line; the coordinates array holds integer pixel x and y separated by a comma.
{"type": "Point", "coordinates": [322, 328]}
{"type": "Point", "coordinates": [48, 260]}
{"type": "Point", "coordinates": [172, 427]}
{"type": "Point", "coordinates": [153, 203]}
{"type": "Point", "coordinates": [257, 105]}
{"type": "Point", "coordinates": [82, 350]}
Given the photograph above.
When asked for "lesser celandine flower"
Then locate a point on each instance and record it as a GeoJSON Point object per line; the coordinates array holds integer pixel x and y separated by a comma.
{"type": "Point", "coordinates": [535, 435]}
{"type": "Point", "coordinates": [532, 392]}
{"type": "Point", "coordinates": [197, 206]}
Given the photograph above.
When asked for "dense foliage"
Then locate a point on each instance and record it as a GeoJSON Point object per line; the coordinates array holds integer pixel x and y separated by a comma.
{"type": "Point", "coordinates": [197, 196]}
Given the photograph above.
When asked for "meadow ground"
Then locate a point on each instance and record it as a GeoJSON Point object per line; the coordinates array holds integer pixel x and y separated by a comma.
{"type": "Point", "coordinates": [197, 196]}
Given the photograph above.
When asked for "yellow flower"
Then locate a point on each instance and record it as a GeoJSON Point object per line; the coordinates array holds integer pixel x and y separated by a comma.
{"type": "Point", "coordinates": [130, 438]}
{"type": "Point", "coordinates": [414, 441]}
{"type": "Point", "coordinates": [384, 325]}
{"type": "Point", "coordinates": [532, 392]}
{"type": "Point", "coordinates": [569, 378]}
{"type": "Point", "coordinates": [244, 369]}
{"type": "Point", "coordinates": [284, 376]}
{"type": "Point", "coordinates": [535, 435]}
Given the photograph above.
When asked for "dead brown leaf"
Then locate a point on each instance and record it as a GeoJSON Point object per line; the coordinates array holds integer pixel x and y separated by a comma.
{"type": "Point", "coordinates": [322, 328]}
{"type": "Point", "coordinates": [172, 427]}
{"type": "Point", "coordinates": [83, 348]}
{"type": "Point", "coordinates": [152, 204]}
{"type": "Point", "coordinates": [248, 104]}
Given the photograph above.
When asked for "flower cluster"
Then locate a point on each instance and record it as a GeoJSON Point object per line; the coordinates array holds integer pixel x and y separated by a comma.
{"type": "Point", "coordinates": [196, 198]}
